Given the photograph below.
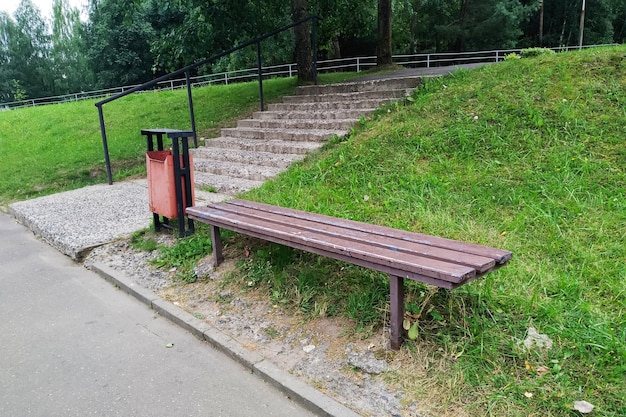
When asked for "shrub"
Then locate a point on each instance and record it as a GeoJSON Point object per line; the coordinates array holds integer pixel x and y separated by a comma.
{"type": "Point", "coordinates": [512, 56]}
{"type": "Point", "coordinates": [532, 52]}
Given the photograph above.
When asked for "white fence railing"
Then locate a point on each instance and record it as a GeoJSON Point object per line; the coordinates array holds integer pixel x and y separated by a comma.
{"type": "Point", "coordinates": [356, 64]}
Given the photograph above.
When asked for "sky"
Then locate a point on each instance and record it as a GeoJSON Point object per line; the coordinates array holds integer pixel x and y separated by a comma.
{"type": "Point", "coordinates": [44, 6]}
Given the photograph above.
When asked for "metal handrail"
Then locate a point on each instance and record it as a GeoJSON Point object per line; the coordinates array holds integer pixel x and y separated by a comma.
{"type": "Point", "coordinates": [186, 71]}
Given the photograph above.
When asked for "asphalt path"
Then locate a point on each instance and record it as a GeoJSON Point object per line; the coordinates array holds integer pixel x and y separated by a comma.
{"type": "Point", "coordinates": [73, 345]}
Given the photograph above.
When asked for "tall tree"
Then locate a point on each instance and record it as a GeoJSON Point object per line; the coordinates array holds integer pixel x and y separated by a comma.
{"type": "Point", "coordinates": [6, 72]}
{"type": "Point", "coordinates": [68, 56]}
{"type": "Point", "coordinates": [383, 50]}
{"type": "Point", "coordinates": [28, 47]}
{"type": "Point", "coordinates": [118, 43]}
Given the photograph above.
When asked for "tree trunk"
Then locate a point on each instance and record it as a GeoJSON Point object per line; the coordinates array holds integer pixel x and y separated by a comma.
{"type": "Point", "coordinates": [541, 24]}
{"type": "Point", "coordinates": [302, 51]}
{"type": "Point", "coordinates": [383, 51]}
{"type": "Point", "coordinates": [463, 12]}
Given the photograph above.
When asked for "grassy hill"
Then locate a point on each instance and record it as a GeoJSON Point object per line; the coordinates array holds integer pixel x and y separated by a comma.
{"type": "Point", "coordinates": [527, 155]}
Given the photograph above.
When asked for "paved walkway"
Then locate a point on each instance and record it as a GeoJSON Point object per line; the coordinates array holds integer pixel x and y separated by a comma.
{"type": "Point", "coordinates": [74, 345]}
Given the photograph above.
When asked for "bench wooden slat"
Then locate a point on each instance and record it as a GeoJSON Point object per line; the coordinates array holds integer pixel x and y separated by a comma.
{"type": "Point", "coordinates": [480, 263]}
{"type": "Point", "coordinates": [399, 263]}
{"type": "Point", "coordinates": [499, 255]}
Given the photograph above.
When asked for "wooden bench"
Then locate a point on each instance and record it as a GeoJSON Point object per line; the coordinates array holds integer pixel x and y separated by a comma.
{"type": "Point", "coordinates": [433, 260]}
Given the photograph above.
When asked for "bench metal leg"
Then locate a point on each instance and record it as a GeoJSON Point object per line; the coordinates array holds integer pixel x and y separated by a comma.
{"type": "Point", "coordinates": [216, 240]}
{"type": "Point", "coordinates": [396, 310]}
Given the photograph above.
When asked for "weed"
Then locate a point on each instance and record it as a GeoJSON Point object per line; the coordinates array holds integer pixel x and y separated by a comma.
{"type": "Point", "coordinates": [208, 188]}
{"type": "Point", "coordinates": [272, 332]}
{"type": "Point", "coordinates": [143, 240]}
{"type": "Point", "coordinates": [184, 255]}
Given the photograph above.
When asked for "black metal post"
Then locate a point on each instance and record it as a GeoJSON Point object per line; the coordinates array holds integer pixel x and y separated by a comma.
{"type": "Point", "coordinates": [314, 47]}
{"type": "Point", "coordinates": [191, 112]}
{"type": "Point", "coordinates": [105, 145]}
{"type": "Point", "coordinates": [260, 69]}
{"type": "Point", "coordinates": [182, 178]}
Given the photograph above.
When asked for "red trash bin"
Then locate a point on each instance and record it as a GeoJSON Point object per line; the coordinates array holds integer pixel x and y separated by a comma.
{"type": "Point", "coordinates": [161, 183]}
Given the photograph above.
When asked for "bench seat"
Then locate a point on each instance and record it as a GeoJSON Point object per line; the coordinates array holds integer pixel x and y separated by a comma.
{"type": "Point", "coordinates": [433, 260]}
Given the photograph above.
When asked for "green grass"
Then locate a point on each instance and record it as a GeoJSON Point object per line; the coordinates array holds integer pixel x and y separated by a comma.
{"type": "Point", "coordinates": [527, 155]}
{"type": "Point", "coordinates": [47, 149]}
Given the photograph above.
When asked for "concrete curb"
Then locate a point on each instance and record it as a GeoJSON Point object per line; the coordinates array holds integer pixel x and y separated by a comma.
{"type": "Point", "coordinates": [300, 392]}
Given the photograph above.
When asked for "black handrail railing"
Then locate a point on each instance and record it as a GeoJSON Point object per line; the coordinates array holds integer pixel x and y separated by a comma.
{"type": "Point", "coordinates": [186, 70]}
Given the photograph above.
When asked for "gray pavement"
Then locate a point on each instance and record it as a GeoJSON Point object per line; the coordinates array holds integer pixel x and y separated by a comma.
{"type": "Point", "coordinates": [76, 221]}
{"type": "Point", "coordinates": [71, 344]}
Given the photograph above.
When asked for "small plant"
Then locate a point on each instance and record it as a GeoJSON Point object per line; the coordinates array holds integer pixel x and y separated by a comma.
{"type": "Point", "coordinates": [143, 240]}
{"type": "Point", "coordinates": [512, 57]}
{"type": "Point", "coordinates": [208, 188]}
{"type": "Point", "coordinates": [184, 255]}
{"type": "Point", "coordinates": [532, 52]}
{"type": "Point", "coordinates": [272, 332]}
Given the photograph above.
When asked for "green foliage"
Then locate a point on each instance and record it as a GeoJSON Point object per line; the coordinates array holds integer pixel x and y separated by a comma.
{"type": "Point", "coordinates": [511, 57]}
{"type": "Point", "coordinates": [17, 91]}
{"type": "Point", "coordinates": [143, 240]}
{"type": "Point", "coordinates": [533, 52]}
{"type": "Point", "coordinates": [198, 29]}
{"type": "Point", "coordinates": [118, 43]}
{"type": "Point", "coordinates": [184, 255]}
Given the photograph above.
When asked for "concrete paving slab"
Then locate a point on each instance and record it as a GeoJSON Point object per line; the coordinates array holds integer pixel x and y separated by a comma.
{"type": "Point", "coordinates": [76, 221]}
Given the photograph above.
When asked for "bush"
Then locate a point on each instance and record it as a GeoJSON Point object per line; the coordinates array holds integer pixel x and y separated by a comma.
{"type": "Point", "coordinates": [512, 56]}
{"type": "Point", "coordinates": [532, 52]}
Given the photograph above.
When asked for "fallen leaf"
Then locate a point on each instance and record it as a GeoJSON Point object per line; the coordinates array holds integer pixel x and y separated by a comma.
{"type": "Point", "coordinates": [583, 406]}
{"type": "Point", "coordinates": [406, 324]}
{"type": "Point", "coordinates": [542, 370]}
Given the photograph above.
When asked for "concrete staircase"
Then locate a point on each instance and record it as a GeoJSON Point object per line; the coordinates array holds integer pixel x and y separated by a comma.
{"type": "Point", "coordinates": [260, 148]}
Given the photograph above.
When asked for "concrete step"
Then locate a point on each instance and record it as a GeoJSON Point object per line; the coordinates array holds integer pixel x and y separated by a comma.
{"type": "Point", "coordinates": [358, 95]}
{"type": "Point", "coordinates": [373, 85]}
{"type": "Point", "coordinates": [330, 124]}
{"type": "Point", "coordinates": [246, 171]}
{"type": "Point", "coordinates": [274, 146]}
{"type": "Point", "coordinates": [305, 135]}
{"type": "Point", "coordinates": [225, 184]}
{"type": "Point", "coordinates": [245, 157]}
{"type": "Point", "coordinates": [341, 105]}
{"type": "Point", "coordinates": [353, 114]}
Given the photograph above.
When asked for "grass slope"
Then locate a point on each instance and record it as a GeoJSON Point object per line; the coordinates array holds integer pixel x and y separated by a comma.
{"type": "Point", "coordinates": [53, 148]}
{"type": "Point", "coordinates": [525, 155]}
{"type": "Point", "coordinates": [58, 147]}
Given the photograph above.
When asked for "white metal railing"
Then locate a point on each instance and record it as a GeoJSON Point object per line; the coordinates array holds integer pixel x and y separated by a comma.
{"type": "Point", "coordinates": [356, 64]}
